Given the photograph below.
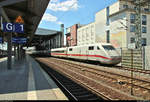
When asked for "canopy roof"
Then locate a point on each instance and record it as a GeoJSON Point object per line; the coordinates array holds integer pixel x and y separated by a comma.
{"type": "Point", "coordinates": [30, 10]}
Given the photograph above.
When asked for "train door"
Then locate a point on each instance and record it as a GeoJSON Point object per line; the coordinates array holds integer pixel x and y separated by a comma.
{"type": "Point", "coordinates": [80, 53]}
{"type": "Point", "coordinates": [83, 53]}
{"type": "Point", "coordinates": [91, 53]}
{"type": "Point", "coordinates": [98, 52]}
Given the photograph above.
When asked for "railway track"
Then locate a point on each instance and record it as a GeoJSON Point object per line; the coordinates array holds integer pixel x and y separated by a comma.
{"type": "Point", "coordinates": [110, 75]}
{"type": "Point", "coordinates": [117, 67]}
{"type": "Point", "coordinates": [73, 90]}
{"type": "Point", "coordinates": [94, 79]}
{"type": "Point", "coordinates": [136, 70]}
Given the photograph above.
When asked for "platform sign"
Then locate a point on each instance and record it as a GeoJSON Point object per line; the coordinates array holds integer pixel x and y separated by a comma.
{"type": "Point", "coordinates": [19, 20]}
{"type": "Point", "coordinates": [19, 40]}
{"type": "Point", "coordinates": [13, 27]}
{"type": "Point", "coordinates": [19, 28]}
{"type": "Point", "coordinates": [22, 40]}
{"type": "Point", "coordinates": [1, 39]}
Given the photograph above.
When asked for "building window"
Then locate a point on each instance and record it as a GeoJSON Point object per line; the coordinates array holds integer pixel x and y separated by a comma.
{"type": "Point", "coordinates": [132, 28]}
{"type": "Point", "coordinates": [146, 9]}
{"type": "Point", "coordinates": [144, 30]}
{"type": "Point", "coordinates": [108, 36]}
{"type": "Point", "coordinates": [132, 18]}
{"type": "Point", "coordinates": [144, 19]}
{"type": "Point", "coordinates": [91, 47]}
{"type": "Point", "coordinates": [134, 8]}
{"type": "Point", "coordinates": [107, 15]}
{"type": "Point", "coordinates": [125, 6]}
{"type": "Point", "coordinates": [132, 40]}
{"type": "Point", "coordinates": [143, 41]}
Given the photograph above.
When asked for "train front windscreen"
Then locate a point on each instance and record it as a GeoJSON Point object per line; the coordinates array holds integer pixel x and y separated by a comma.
{"type": "Point", "coordinates": [108, 47]}
{"type": "Point", "coordinates": [110, 50]}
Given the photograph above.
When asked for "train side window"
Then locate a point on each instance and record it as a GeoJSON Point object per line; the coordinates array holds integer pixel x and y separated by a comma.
{"type": "Point", "coordinates": [98, 48]}
{"type": "Point", "coordinates": [70, 49]}
{"type": "Point", "coordinates": [91, 47]}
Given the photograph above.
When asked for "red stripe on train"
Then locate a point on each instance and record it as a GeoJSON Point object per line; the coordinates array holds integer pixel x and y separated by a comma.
{"type": "Point", "coordinates": [82, 55]}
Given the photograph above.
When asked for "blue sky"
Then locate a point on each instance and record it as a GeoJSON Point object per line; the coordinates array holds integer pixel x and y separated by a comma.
{"type": "Point", "coordinates": [70, 12]}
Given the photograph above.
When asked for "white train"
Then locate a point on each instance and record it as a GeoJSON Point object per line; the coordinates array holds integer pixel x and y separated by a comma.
{"type": "Point", "coordinates": [102, 52]}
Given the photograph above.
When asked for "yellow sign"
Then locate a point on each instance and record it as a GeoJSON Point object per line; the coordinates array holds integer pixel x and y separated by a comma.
{"type": "Point", "coordinates": [19, 20]}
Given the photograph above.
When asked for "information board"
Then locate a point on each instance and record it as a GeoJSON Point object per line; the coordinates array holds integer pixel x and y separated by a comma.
{"type": "Point", "coordinates": [19, 40]}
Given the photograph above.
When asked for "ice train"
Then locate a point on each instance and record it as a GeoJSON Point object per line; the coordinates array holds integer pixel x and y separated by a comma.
{"type": "Point", "coordinates": [104, 53]}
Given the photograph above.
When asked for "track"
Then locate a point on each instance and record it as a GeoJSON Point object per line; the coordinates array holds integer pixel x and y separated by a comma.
{"type": "Point", "coordinates": [73, 90]}
{"type": "Point", "coordinates": [97, 81]}
{"type": "Point", "coordinates": [117, 67]}
{"type": "Point", "coordinates": [138, 83]}
{"type": "Point", "coordinates": [136, 70]}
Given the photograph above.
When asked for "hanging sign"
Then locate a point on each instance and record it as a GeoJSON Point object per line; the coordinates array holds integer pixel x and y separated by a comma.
{"type": "Point", "coordinates": [13, 27]}
{"type": "Point", "coordinates": [19, 20]}
{"type": "Point", "coordinates": [19, 40]}
{"type": "Point", "coordinates": [16, 27]}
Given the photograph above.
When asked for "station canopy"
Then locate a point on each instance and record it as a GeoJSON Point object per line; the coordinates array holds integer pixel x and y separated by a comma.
{"type": "Point", "coordinates": [42, 34]}
{"type": "Point", "coordinates": [31, 12]}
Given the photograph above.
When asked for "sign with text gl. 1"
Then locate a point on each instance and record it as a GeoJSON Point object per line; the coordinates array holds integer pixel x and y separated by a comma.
{"type": "Point", "coordinates": [13, 27]}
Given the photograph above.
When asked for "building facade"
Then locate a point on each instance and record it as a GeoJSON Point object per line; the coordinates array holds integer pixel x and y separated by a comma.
{"type": "Point", "coordinates": [71, 35]}
{"type": "Point", "coordinates": [116, 24]}
{"type": "Point", "coordinates": [86, 34]}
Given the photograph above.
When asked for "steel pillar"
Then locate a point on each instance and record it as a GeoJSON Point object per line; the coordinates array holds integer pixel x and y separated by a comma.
{"type": "Point", "coordinates": [15, 50]}
{"type": "Point", "coordinates": [62, 35]}
{"type": "Point", "coordinates": [138, 39]}
{"type": "Point", "coordinates": [18, 52]}
{"type": "Point", "coordinates": [149, 6]}
{"type": "Point", "coordinates": [9, 48]}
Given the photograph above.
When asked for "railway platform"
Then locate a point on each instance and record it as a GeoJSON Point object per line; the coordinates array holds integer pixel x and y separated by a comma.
{"type": "Point", "coordinates": [27, 81]}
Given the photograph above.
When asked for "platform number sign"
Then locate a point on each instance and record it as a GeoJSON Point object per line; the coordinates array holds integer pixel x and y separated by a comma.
{"type": "Point", "coordinates": [16, 27]}
{"type": "Point", "coordinates": [13, 27]}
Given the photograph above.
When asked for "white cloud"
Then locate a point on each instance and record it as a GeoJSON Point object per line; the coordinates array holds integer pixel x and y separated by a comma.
{"type": "Point", "coordinates": [67, 5]}
{"type": "Point", "coordinates": [59, 22]}
{"type": "Point", "coordinates": [53, 1]}
{"type": "Point", "coordinates": [50, 18]}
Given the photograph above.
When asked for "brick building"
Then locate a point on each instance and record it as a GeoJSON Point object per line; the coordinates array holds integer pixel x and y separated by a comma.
{"type": "Point", "coordinates": [71, 35]}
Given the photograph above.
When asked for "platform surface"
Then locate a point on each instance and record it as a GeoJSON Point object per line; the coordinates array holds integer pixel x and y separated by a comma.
{"type": "Point", "coordinates": [27, 81]}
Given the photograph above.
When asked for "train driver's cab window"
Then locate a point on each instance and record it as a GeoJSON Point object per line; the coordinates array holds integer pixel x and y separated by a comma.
{"type": "Point", "coordinates": [108, 47]}
{"type": "Point", "coordinates": [98, 48]}
{"type": "Point", "coordinates": [91, 47]}
{"type": "Point", "coordinates": [70, 49]}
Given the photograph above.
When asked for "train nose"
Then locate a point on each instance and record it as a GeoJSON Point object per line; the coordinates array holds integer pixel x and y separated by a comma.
{"type": "Point", "coordinates": [116, 58]}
